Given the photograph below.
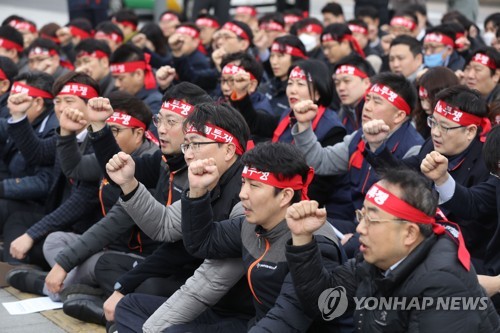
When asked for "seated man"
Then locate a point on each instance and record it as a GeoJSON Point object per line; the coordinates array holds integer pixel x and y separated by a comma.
{"type": "Point", "coordinates": [412, 266]}
{"type": "Point", "coordinates": [274, 177]}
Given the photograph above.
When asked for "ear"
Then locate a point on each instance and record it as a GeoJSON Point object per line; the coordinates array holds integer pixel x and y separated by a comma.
{"type": "Point", "coordinates": [4, 86]}
{"type": "Point", "coordinates": [139, 133]}
{"type": "Point", "coordinates": [286, 197]}
{"type": "Point", "coordinates": [139, 73]}
{"type": "Point", "coordinates": [244, 44]}
{"type": "Point", "coordinates": [399, 117]}
{"type": "Point", "coordinates": [366, 83]}
{"type": "Point", "coordinates": [253, 86]}
{"type": "Point", "coordinates": [471, 132]}
{"type": "Point", "coordinates": [230, 152]}
{"type": "Point", "coordinates": [39, 105]}
{"type": "Point", "coordinates": [412, 234]}
{"type": "Point", "coordinates": [419, 57]}
{"type": "Point", "coordinates": [104, 61]}
{"type": "Point", "coordinates": [496, 76]}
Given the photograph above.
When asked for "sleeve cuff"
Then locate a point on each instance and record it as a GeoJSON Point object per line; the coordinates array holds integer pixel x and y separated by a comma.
{"type": "Point", "coordinates": [12, 121]}
{"type": "Point", "coordinates": [446, 190]}
{"type": "Point", "coordinates": [127, 197]}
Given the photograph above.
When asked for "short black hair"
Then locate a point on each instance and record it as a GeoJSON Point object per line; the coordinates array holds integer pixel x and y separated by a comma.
{"type": "Point", "coordinates": [81, 23]}
{"type": "Point", "coordinates": [39, 80]}
{"type": "Point", "coordinates": [414, 44]}
{"type": "Point", "coordinates": [408, 13]}
{"type": "Point", "coordinates": [358, 22]}
{"type": "Point", "coordinates": [276, 17]}
{"type": "Point", "coordinates": [299, 25]}
{"type": "Point", "coordinates": [247, 62]}
{"type": "Point", "coordinates": [416, 190]}
{"type": "Point", "coordinates": [466, 99]}
{"type": "Point", "coordinates": [44, 43]}
{"type": "Point", "coordinates": [283, 160]}
{"type": "Point", "coordinates": [10, 33]}
{"type": "Point", "coordinates": [9, 68]}
{"type": "Point", "coordinates": [356, 60]}
{"type": "Point", "coordinates": [493, 18]}
{"type": "Point", "coordinates": [126, 53]}
{"type": "Point", "coordinates": [11, 18]}
{"type": "Point", "coordinates": [367, 11]}
{"type": "Point", "coordinates": [245, 28]}
{"type": "Point", "coordinates": [400, 85]}
{"type": "Point", "coordinates": [490, 52]}
{"type": "Point", "coordinates": [126, 15]}
{"type": "Point", "coordinates": [292, 41]}
{"type": "Point", "coordinates": [456, 16]}
{"type": "Point", "coordinates": [321, 79]}
{"type": "Point", "coordinates": [75, 77]}
{"type": "Point", "coordinates": [491, 153]}
{"type": "Point", "coordinates": [417, 8]}
{"type": "Point", "coordinates": [109, 27]}
{"type": "Point", "coordinates": [221, 115]}
{"type": "Point", "coordinates": [123, 101]}
{"type": "Point", "coordinates": [90, 45]}
{"type": "Point", "coordinates": [155, 36]}
{"type": "Point", "coordinates": [332, 8]}
{"type": "Point", "coordinates": [188, 92]}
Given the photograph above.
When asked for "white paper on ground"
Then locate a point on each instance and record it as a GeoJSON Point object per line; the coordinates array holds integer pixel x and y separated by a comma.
{"type": "Point", "coordinates": [31, 305]}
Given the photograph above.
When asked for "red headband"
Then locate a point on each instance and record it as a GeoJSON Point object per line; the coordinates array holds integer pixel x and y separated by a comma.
{"type": "Point", "coordinates": [272, 26]}
{"type": "Point", "coordinates": [231, 69]}
{"type": "Point", "coordinates": [185, 30]}
{"type": "Point", "coordinates": [78, 89]}
{"type": "Point", "coordinates": [111, 36]}
{"type": "Point", "coordinates": [358, 29]}
{"type": "Point", "coordinates": [218, 135]}
{"type": "Point", "coordinates": [246, 10]}
{"type": "Point", "coordinates": [129, 67]}
{"type": "Point", "coordinates": [2, 75]}
{"type": "Point", "coordinates": [126, 120]}
{"type": "Point", "coordinates": [422, 92]}
{"type": "Point", "coordinates": [236, 29]}
{"type": "Point", "coordinates": [287, 49]}
{"type": "Point", "coordinates": [350, 70]}
{"type": "Point", "coordinates": [392, 97]}
{"type": "Point", "coordinates": [75, 31]}
{"type": "Point", "coordinates": [298, 73]}
{"type": "Point", "coordinates": [463, 118]}
{"type": "Point", "coordinates": [18, 88]}
{"type": "Point", "coordinates": [355, 45]}
{"type": "Point", "coordinates": [314, 28]}
{"type": "Point", "coordinates": [291, 19]}
{"type": "Point", "coordinates": [296, 183]}
{"type": "Point", "coordinates": [439, 38]}
{"type": "Point", "coordinates": [169, 17]}
{"type": "Point", "coordinates": [183, 109]}
{"type": "Point", "coordinates": [96, 54]}
{"type": "Point", "coordinates": [23, 25]}
{"type": "Point", "coordinates": [42, 51]}
{"type": "Point", "coordinates": [126, 24]}
{"type": "Point", "coordinates": [207, 22]}
{"type": "Point", "coordinates": [401, 21]}
{"type": "Point", "coordinates": [8, 44]}
{"type": "Point", "coordinates": [483, 59]}
{"type": "Point", "coordinates": [391, 204]}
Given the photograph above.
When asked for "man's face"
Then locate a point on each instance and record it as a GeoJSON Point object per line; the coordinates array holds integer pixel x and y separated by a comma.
{"type": "Point", "coordinates": [377, 107]}
{"type": "Point", "coordinates": [94, 67]}
{"type": "Point", "coordinates": [402, 60]}
{"type": "Point", "coordinates": [434, 48]}
{"type": "Point", "coordinates": [111, 43]}
{"type": "Point", "coordinates": [329, 18]}
{"type": "Point", "coordinates": [44, 63]}
{"type": "Point", "coordinates": [280, 64]}
{"type": "Point", "coordinates": [168, 27]}
{"type": "Point", "coordinates": [207, 149]}
{"type": "Point", "coordinates": [334, 51]}
{"type": "Point", "coordinates": [129, 82]}
{"type": "Point", "coordinates": [478, 76]}
{"type": "Point", "coordinates": [229, 41]}
{"type": "Point", "coordinates": [61, 102]}
{"type": "Point", "coordinates": [361, 38]}
{"type": "Point", "coordinates": [350, 88]}
{"type": "Point", "coordinates": [9, 53]}
{"type": "Point", "coordinates": [381, 235]}
{"type": "Point", "coordinates": [170, 132]}
{"type": "Point", "coordinates": [127, 138]}
{"type": "Point", "coordinates": [260, 203]}
{"type": "Point", "coordinates": [449, 142]}
{"type": "Point", "coordinates": [372, 27]}
{"type": "Point", "coordinates": [28, 37]}
{"type": "Point", "coordinates": [206, 34]}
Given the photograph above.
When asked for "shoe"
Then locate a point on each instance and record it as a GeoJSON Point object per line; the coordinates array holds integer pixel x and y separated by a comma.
{"type": "Point", "coordinates": [79, 289]}
{"type": "Point", "coordinates": [5, 267]}
{"type": "Point", "coordinates": [27, 279]}
{"type": "Point", "coordinates": [85, 308]}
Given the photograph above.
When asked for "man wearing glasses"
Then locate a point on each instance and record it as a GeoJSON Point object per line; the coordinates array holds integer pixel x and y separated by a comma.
{"type": "Point", "coordinates": [408, 256]}
{"type": "Point", "coordinates": [457, 127]}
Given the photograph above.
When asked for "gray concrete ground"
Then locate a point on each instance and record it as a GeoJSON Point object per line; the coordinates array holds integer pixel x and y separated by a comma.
{"type": "Point", "coordinates": [30, 323]}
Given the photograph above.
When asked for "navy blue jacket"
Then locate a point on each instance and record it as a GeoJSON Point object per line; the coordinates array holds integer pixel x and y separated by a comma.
{"type": "Point", "coordinates": [197, 69]}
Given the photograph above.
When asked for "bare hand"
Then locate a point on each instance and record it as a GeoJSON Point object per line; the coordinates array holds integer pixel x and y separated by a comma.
{"type": "Point", "coordinates": [110, 305]}
{"type": "Point", "coordinates": [20, 246]}
{"type": "Point", "coordinates": [261, 40]}
{"type": "Point", "coordinates": [72, 121]}
{"type": "Point", "coordinates": [139, 40]}
{"type": "Point", "coordinates": [303, 219]}
{"type": "Point", "coordinates": [19, 104]}
{"type": "Point", "coordinates": [375, 132]}
{"type": "Point", "coordinates": [203, 175]}
{"type": "Point", "coordinates": [64, 35]}
{"type": "Point", "coordinates": [164, 76]}
{"type": "Point", "coordinates": [99, 109]}
{"type": "Point", "coordinates": [305, 111]}
{"type": "Point", "coordinates": [241, 84]}
{"type": "Point", "coordinates": [217, 56]}
{"type": "Point", "coordinates": [435, 167]}
{"type": "Point", "coordinates": [55, 278]}
{"type": "Point", "coordinates": [176, 42]}
{"type": "Point", "coordinates": [121, 169]}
